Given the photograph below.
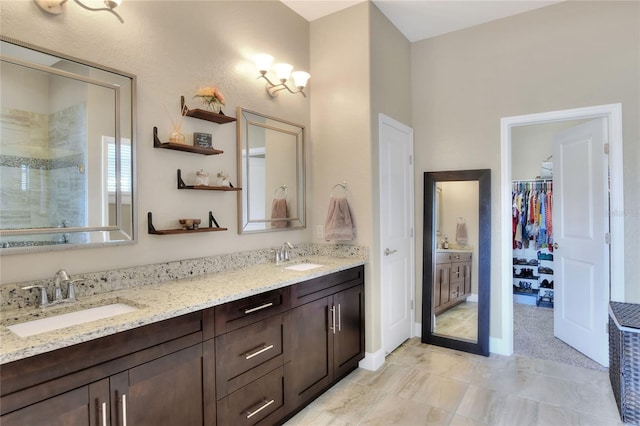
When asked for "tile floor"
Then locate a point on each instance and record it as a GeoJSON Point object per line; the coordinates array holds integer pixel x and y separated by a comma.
{"type": "Point", "coordinates": [461, 321]}
{"type": "Point", "coordinates": [427, 385]}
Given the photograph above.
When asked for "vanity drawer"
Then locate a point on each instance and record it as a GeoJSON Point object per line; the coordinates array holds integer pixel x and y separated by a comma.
{"type": "Point", "coordinates": [461, 257]}
{"type": "Point", "coordinates": [261, 401]}
{"type": "Point", "coordinates": [443, 257]}
{"type": "Point", "coordinates": [250, 352]}
{"type": "Point", "coordinates": [316, 288]}
{"type": "Point", "coordinates": [237, 314]}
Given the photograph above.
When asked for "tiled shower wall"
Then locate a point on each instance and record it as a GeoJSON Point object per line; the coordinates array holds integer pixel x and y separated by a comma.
{"type": "Point", "coordinates": [42, 179]}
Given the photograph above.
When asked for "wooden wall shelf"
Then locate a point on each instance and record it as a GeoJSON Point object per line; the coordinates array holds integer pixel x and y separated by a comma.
{"type": "Point", "coordinates": [204, 115]}
{"type": "Point", "coordinates": [182, 185]}
{"type": "Point", "coordinates": [211, 228]}
{"type": "Point", "coordinates": [157, 143]}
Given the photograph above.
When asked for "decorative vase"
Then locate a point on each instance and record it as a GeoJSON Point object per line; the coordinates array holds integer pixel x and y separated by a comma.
{"type": "Point", "coordinates": [213, 107]}
{"type": "Point", "coordinates": [177, 137]}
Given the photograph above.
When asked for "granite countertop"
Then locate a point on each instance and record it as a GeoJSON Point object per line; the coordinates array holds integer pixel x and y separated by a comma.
{"type": "Point", "coordinates": [157, 302]}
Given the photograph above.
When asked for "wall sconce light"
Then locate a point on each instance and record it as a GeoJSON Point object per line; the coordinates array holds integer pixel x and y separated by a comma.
{"type": "Point", "coordinates": [283, 72]}
{"type": "Point", "coordinates": [55, 7]}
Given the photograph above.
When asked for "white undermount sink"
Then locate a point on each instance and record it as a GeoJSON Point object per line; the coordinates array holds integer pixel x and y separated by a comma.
{"type": "Point", "coordinates": [43, 325]}
{"type": "Point", "coordinates": [303, 266]}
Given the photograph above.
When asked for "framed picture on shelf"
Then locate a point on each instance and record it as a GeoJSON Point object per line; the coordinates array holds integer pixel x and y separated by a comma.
{"type": "Point", "coordinates": [202, 140]}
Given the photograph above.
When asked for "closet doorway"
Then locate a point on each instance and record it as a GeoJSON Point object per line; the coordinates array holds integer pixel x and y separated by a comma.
{"type": "Point", "coordinates": [526, 144]}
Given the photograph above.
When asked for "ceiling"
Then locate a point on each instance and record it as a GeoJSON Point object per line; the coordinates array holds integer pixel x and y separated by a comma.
{"type": "Point", "coordinates": [421, 19]}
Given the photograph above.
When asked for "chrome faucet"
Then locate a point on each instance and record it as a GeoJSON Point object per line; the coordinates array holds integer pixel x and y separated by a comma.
{"type": "Point", "coordinates": [283, 255]}
{"type": "Point", "coordinates": [62, 277]}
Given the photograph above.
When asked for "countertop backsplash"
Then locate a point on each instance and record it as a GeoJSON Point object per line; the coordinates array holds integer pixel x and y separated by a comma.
{"type": "Point", "coordinates": [13, 297]}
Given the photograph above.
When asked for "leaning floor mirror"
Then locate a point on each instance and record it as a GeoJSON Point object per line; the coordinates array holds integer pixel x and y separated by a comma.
{"type": "Point", "coordinates": [456, 260]}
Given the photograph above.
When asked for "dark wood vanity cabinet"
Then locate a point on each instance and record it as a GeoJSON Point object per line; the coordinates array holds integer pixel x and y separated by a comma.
{"type": "Point", "coordinates": [452, 280]}
{"type": "Point", "coordinates": [252, 361]}
{"type": "Point", "coordinates": [153, 374]}
{"type": "Point", "coordinates": [327, 334]}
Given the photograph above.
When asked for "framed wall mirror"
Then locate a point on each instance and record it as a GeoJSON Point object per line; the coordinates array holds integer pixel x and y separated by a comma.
{"type": "Point", "coordinates": [271, 173]}
{"type": "Point", "coordinates": [67, 152]}
{"type": "Point", "coordinates": [457, 260]}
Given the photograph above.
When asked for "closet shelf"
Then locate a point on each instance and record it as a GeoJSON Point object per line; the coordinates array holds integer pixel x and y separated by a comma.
{"type": "Point", "coordinates": [182, 147]}
{"type": "Point", "coordinates": [204, 115]}
{"type": "Point", "coordinates": [211, 228]}
{"type": "Point", "coordinates": [182, 185]}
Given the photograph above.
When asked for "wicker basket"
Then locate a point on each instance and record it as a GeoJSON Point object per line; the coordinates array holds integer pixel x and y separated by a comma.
{"type": "Point", "coordinates": [624, 359]}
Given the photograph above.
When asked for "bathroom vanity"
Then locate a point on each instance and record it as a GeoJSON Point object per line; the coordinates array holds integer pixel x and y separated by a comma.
{"type": "Point", "coordinates": [452, 279]}
{"type": "Point", "coordinates": [228, 353]}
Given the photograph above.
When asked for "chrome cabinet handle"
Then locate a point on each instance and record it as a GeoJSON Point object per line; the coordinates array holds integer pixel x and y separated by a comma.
{"type": "Point", "coordinates": [339, 319]}
{"type": "Point", "coordinates": [262, 407]}
{"type": "Point", "coordinates": [104, 414]}
{"type": "Point", "coordinates": [124, 409]}
{"type": "Point", "coordinates": [387, 252]}
{"type": "Point", "coordinates": [250, 355]}
{"type": "Point", "coordinates": [333, 319]}
{"type": "Point", "coordinates": [257, 308]}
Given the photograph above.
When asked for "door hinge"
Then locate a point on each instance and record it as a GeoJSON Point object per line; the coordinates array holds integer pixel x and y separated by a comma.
{"type": "Point", "coordinates": [412, 307]}
{"type": "Point", "coordinates": [607, 238]}
{"type": "Point", "coordinates": [606, 149]}
{"type": "Point", "coordinates": [410, 159]}
{"type": "Point", "coordinates": [411, 232]}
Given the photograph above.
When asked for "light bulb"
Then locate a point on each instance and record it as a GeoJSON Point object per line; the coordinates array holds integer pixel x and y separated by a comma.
{"type": "Point", "coordinates": [263, 62]}
{"type": "Point", "coordinates": [283, 71]}
{"type": "Point", "coordinates": [300, 78]}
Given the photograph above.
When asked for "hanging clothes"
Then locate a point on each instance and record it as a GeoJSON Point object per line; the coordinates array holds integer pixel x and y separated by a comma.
{"type": "Point", "coordinates": [532, 214]}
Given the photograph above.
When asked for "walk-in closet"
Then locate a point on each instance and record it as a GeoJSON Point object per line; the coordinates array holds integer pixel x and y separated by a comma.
{"type": "Point", "coordinates": [534, 283]}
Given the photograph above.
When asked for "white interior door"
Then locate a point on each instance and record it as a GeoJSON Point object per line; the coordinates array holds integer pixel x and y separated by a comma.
{"type": "Point", "coordinates": [396, 232]}
{"type": "Point", "coordinates": [580, 227]}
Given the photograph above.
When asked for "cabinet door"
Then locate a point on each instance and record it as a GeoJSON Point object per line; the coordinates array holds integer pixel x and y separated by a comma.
{"type": "Point", "coordinates": [441, 284]}
{"type": "Point", "coordinates": [348, 333]}
{"type": "Point", "coordinates": [309, 370]}
{"type": "Point", "coordinates": [71, 408]}
{"type": "Point", "coordinates": [467, 278]}
{"type": "Point", "coordinates": [166, 391]}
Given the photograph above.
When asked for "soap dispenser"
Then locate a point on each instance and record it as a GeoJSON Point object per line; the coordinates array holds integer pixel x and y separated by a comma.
{"type": "Point", "coordinates": [445, 243]}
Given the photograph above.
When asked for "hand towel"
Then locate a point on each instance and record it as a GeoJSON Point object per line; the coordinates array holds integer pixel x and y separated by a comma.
{"type": "Point", "coordinates": [461, 234]}
{"type": "Point", "coordinates": [279, 211]}
{"type": "Point", "coordinates": [339, 225]}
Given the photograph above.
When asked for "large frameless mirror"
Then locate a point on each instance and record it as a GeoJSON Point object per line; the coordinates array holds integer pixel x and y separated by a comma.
{"type": "Point", "coordinates": [66, 152]}
{"type": "Point", "coordinates": [271, 173]}
{"type": "Point", "coordinates": [456, 259]}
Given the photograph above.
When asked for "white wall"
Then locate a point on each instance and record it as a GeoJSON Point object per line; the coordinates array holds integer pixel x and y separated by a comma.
{"type": "Point", "coordinates": [173, 47]}
{"type": "Point", "coordinates": [571, 54]}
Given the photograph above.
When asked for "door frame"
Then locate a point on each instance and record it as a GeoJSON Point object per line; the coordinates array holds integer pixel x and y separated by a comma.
{"type": "Point", "coordinates": [386, 120]}
{"type": "Point", "coordinates": [613, 115]}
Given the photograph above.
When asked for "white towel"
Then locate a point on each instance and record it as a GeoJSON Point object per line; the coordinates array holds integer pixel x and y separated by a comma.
{"type": "Point", "coordinates": [339, 225]}
{"type": "Point", "coordinates": [461, 233]}
{"type": "Point", "coordinates": [279, 211]}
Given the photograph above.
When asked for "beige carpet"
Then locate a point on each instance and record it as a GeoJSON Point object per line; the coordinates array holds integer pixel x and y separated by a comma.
{"type": "Point", "coordinates": [533, 337]}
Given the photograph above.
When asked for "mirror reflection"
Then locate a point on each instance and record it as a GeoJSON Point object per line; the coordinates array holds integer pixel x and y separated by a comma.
{"type": "Point", "coordinates": [455, 300]}
{"type": "Point", "coordinates": [66, 152]}
{"type": "Point", "coordinates": [271, 173]}
{"type": "Point", "coordinates": [457, 260]}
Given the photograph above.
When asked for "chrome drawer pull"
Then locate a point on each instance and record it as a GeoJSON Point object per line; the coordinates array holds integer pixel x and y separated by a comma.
{"type": "Point", "coordinates": [265, 405]}
{"type": "Point", "coordinates": [124, 410]}
{"type": "Point", "coordinates": [266, 305]}
{"type": "Point", "coordinates": [104, 414]}
{"type": "Point", "coordinates": [333, 319]}
{"type": "Point", "coordinates": [258, 352]}
{"type": "Point", "coordinates": [339, 319]}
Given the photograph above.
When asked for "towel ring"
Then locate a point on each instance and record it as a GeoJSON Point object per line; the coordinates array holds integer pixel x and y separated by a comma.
{"type": "Point", "coordinates": [342, 185]}
{"type": "Point", "coordinates": [280, 192]}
